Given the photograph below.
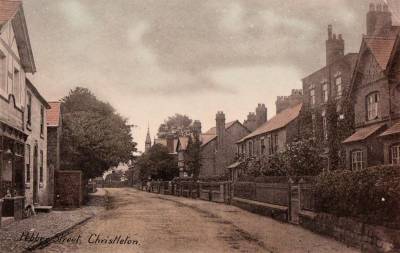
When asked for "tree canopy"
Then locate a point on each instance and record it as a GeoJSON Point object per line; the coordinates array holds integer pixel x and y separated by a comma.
{"type": "Point", "coordinates": [157, 164]}
{"type": "Point", "coordinates": [178, 122]}
{"type": "Point", "coordinates": [94, 136]}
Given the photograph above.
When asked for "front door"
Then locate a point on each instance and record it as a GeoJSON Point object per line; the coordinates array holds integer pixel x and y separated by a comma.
{"type": "Point", "coordinates": [35, 176]}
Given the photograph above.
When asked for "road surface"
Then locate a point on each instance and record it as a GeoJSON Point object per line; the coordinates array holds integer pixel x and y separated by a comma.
{"type": "Point", "coordinates": [137, 221]}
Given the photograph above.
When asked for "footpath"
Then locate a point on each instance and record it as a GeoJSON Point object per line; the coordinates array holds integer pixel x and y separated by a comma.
{"type": "Point", "coordinates": [38, 230]}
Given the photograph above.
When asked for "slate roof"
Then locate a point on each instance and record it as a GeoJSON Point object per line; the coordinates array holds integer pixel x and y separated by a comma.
{"type": "Point", "coordinates": [53, 114]}
{"type": "Point", "coordinates": [395, 129]}
{"type": "Point", "coordinates": [8, 9]}
{"type": "Point", "coordinates": [363, 133]}
{"type": "Point", "coordinates": [163, 142]}
{"type": "Point", "coordinates": [280, 120]}
{"type": "Point", "coordinates": [381, 48]}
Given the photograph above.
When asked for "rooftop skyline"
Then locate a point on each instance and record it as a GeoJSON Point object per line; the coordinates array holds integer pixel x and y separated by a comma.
{"type": "Point", "coordinates": [152, 59]}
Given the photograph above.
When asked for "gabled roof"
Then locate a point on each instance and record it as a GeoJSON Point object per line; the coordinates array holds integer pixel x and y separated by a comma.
{"type": "Point", "coordinates": [279, 121]}
{"type": "Point", "coordinates": [381, 48]}
{"type": "Point", "coordinates": [11, 10]}
{"type": "Point", "coordinates": [36, 92]}
{"type": "Point", "coordinates": [164, 142]}
{"type": "Point", "coordinates": [54, 114]}
{"type": "Point", "coordinates": [206, 138]}
{"type": "Point", "coordinates": [211, 134]}
{"type": "Point", "coordinates": [213, 130]}
{"type": "Point", "coordinates": [183, 142]}
{"type": "Point", "coordinates": [395, 129]}
{"type": "Point", "coordinates": [8, 9]}
{"type": "Point", "coordinates": [363, 133]}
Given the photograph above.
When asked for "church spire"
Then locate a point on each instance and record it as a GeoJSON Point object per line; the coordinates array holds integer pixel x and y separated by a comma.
{"type": "Point", "coordinates": [147, 145]}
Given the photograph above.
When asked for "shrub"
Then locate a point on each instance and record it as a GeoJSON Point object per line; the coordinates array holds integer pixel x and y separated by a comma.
{"type": "Point", "coordinates": [372, 195]}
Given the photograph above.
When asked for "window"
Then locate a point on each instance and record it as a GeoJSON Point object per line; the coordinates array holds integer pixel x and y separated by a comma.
{"type": "Point", "coordinates": [262, 146]}
{"type": "Point", "coordinates": [3, 71]}
{"type": "Point", "coordinates": [395, 151]}
{"type": "Point", "coordinates": [273, 148]}
{"type": "Point", "coordinates": [357, 160]}
{"type": "Point", "coordinates": [28, 163]}
{"type": "Point", "coordinates": [312, 97]}
{"type": "Point", "coordinates": [339, 86]}
{"type": "Point", "coordinates": [41, 167]}
{"type": "Point", "coordinates": [41, 120]}
{"type": "Point", "coordinates": [325, 93]}
{"type": "Point", "coordinates": [17, 86]}
{"type": "Point", "coordinates": [29, 109]}
{"type": "Point", "coordinates": [372, 106]}
{"type": "Point", "coordinates": [325, 125]}
{"type": "Point", "coordinates": [251, 148]}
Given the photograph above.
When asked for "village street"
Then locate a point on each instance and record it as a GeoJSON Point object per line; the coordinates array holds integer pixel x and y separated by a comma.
{"type": "Point", "coordinates": [161, 223]}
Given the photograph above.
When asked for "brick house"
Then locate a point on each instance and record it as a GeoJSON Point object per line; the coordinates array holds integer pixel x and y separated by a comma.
{"type": "Point", "coordinates": [54, 130]}
{"type": "Point", "coordinates": [331, 83]}
{"type": "Point", "coordinates": [375, 91]}
{"type": "Point", "coordinates": [16, 59]}
{"type": "Point", "coordinates": [38, 180]}
{"type": "Point", "coordinates": [272, 136]}
{"type": "Point", "coordinates": [218, 149]}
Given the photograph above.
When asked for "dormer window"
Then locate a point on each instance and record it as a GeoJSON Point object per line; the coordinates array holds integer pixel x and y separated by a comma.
{"type": "Point", "coordinates": [372, 103]}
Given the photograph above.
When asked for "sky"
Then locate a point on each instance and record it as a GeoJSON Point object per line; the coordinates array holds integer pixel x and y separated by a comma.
{"type": "Point", "coordinates": [151, 59]}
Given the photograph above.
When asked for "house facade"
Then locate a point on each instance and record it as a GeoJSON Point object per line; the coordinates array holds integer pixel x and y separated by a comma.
{"type": "Point", "coordinates": [218, 149]}
{"type": "Point", "coordinates": [16, 59]}
{"type": "Point", "coordinates": [38, 179]}
{"type": "Point", "coordinates": [272, 136]}
{"type": "Point", "coordinates": [330, 84]}
{"type": "Point", "coordinates": [375, 91]}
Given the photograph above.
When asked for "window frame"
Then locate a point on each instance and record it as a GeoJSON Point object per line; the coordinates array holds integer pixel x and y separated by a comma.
{"type": "Point", "coordinates": [372, 108]}
{"type": "Point", "coordinates": [339, 85]}
{"type": "Point", "coordinates": [395, 149]}
{"type": "Point", "coordinates": [42, 121]}
{"type": "Point", "coordinates": [29, 108]}
{"type": "Point", "coordinates": [325, 92]}
{"type": "Point", "coordinates": [357, 159]}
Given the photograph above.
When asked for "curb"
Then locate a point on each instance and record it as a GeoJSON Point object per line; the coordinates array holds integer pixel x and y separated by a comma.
{"type": "Point", "coordinates": [48, 240]}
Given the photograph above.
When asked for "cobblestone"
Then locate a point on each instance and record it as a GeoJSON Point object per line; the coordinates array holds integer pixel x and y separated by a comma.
{"type": "Point", "coordinates": [46, 225]}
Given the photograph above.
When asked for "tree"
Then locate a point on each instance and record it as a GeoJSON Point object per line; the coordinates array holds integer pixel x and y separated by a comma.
{"type": "Point", "coordinates": [157, 164]}
{"type": "Point", "coordinates": [194, 155]}
{"type": "Point", "coordinates": [94, 136]}
{"type": "Point", "coordinates": [175, 124]}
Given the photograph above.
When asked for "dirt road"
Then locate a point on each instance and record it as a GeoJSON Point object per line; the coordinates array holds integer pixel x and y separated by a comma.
{"type": "Point", "coordinates": [137, 221]}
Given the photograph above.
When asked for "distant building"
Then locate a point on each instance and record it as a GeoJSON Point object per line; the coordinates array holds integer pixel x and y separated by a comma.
{"type": "Point", "coordinates": [218, 148]}
{"type": "Point", "coordinates": [272, 136]}
{"type": "Point", "coordinates": [147, 144]}
{"type": "Point", "coordinates": [54, 131]}
{"type": "Point", "coordinates": [375, 91]}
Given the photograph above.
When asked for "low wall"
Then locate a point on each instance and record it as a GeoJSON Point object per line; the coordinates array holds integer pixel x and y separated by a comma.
{"type": "Point", "coordinates": [271, 193]}
{"type": "Point", "coordinates": [366, 237]}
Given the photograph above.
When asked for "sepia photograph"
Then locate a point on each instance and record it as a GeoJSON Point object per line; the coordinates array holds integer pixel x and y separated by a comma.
{"type": "Point", "coordinates": [199, 126]}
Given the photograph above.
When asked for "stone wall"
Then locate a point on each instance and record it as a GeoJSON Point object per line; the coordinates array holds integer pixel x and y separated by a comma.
{"type": "Point", "coordinates": [368, 238]}
{"type": "Point", "coordinates": [68, 188]}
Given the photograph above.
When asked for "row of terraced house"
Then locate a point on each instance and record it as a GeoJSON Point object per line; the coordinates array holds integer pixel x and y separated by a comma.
{"type": "Point", "coordinates": [368, 81]}
{"type": "Point", "coordinates": [29, 125]}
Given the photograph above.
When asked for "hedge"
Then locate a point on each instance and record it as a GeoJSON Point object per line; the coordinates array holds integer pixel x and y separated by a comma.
{"type": "Point", "coordinates": [370, 195]}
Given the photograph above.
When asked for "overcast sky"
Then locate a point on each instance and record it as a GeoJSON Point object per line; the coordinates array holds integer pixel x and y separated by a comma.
{"type": "Point", "coordinates": [153, 58]}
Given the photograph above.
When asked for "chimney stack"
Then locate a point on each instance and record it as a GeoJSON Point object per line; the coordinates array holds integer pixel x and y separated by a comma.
{"type": "Point", "coordinates": [334, 47]}
{"type": "Point", "coordinates": [261, 115]}
{"type": "Point", "coordinates": [220, 128]}
{"type": "Point", "coordinates": [379, 20]}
